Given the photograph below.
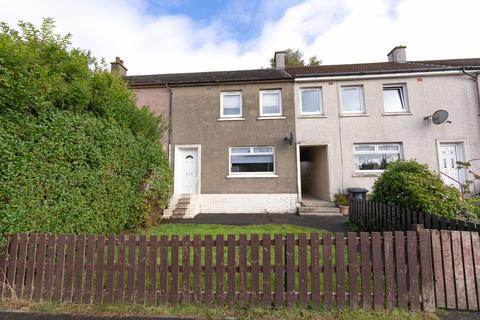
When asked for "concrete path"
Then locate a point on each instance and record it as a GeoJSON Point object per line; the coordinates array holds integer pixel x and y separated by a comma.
{"type": "Point", "coordinates": [329, 223]}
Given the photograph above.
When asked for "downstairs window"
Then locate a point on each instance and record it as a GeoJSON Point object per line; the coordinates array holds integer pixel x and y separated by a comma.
{"type": "Point", "coordinates": [375, 157]}
{"type": "Point", "coordinates": [251, 160]}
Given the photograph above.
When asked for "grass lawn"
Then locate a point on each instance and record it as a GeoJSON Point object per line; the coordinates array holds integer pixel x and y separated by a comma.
{"type": "Point", "coordinates": [204, 312]}
{"type": "Point", "coordinates": [218, 229]}
{"type": "Point", "coordinates": [215, 229]}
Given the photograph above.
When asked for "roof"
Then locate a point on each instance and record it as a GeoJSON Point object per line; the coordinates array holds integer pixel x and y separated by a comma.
{"type": "Point", "coordinates": [208, 77]}
{"type": "Point", "coordinates": [258, 75]}
{"type": "Point", "coordinates": [384, 67]}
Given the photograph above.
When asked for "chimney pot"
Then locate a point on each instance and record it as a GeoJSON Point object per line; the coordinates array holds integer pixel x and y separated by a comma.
{"type": "Point", "coordinates": [118, 67]}
{"type": "Point", "coordinates": [279, 59]}
{"type": "Point", "coordinates": [398, 55]}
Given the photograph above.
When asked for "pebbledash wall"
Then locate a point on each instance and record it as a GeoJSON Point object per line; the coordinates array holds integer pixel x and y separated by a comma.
{"type": "Point", "coordinates": [158, 101]}
{"type": "Point", "coordinates": [196, 120]}
{"type": "Point", "coordinates": [420, 139]}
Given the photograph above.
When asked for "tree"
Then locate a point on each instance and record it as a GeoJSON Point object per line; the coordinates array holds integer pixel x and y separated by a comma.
{"type": "Point", "coordinates": [294, 58]}
{"type": "Point", "coordinates": [313, 61]}
{"type": "Point", "coordinates": [76, 154]}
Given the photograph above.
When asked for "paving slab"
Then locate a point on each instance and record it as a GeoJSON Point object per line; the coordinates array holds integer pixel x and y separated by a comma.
{"type": "Point", "coordinates": [25, 315]}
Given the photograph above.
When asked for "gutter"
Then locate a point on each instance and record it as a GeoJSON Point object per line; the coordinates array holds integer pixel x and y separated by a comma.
{"type": "Point", "coordinates": [376, 75]}
{"type": "Point", "coordinates": [207, 83]}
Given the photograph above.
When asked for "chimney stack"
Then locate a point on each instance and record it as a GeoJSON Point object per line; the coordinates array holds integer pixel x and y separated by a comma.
{"type": "Point", "coordinates": [118, 67]}
{"type": "Point", "coordinates": [279, 59]}
{"type": "Point", "coordinates": [398, 55]}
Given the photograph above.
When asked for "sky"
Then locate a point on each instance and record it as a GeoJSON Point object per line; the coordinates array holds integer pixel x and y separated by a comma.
{"type": "Point", "coordinates": [167, 36]}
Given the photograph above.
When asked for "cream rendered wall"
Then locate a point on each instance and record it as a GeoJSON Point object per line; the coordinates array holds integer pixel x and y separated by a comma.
{"type": "Point", "coordinates": [420, 138]}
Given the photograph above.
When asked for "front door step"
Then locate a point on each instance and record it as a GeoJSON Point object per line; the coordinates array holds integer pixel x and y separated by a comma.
{"type": "Point", "coordinates": [317, 207]}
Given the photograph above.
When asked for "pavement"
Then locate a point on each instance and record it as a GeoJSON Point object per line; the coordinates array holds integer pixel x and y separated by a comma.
{"type": "Point", "coordinates": [458, 315]}
{"type": "Point", "coordinates": [329, 223]}
{"type": "Point", "coordinates": [24, 315]}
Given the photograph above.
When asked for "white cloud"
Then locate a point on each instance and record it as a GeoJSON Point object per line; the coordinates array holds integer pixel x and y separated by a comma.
{"type": "Point", "coordinates": [337, 32]}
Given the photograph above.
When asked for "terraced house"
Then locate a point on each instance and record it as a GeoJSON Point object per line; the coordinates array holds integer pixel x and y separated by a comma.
{"type": "Point", "coordinates": [273, 140]}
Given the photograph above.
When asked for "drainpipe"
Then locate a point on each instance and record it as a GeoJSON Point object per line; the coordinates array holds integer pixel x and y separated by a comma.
{"type": "Point", "coordinates": [170, 108]}
{"type": "Point", "coordinates": [475, 78]}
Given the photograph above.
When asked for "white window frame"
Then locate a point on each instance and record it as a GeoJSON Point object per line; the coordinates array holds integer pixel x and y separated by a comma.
{"type": "Point", "coordinates": [231, 93]}
{"type": "Point", "coordinates": [362, 99]}
{"type": "Point", "coordinates": [320, 92]}
{"type": "Point", "coordinates": [250, 174]}
{"type": "Point", "coordinates": [280, 103]}
{"type": "Point", "coordinates": [376, 145]}
{"type": "Point", "coordinates": [403, 96]}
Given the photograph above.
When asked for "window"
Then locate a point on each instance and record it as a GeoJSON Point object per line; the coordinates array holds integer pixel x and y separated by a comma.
{"type": "Point", "coordinates": [394, 98]}
{"type": "Point", "coordinates": [251, 160]}
{"type": "Point", "coordinates": [374, 157]}
{"type": "Point", "coordinates": [230, 104]}
{"type": "Point", "coordinates": [311, 101]}
{"type": "Point", "coordinates": [270, 103]}
{"type": "Point", "coordinates": [352, 99]}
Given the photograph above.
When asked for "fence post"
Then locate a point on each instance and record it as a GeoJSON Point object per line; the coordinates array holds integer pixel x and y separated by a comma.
{"type": "Point", "coordinates": [417, 227]}
{"type": "Point", "coordinates": [426, 267]}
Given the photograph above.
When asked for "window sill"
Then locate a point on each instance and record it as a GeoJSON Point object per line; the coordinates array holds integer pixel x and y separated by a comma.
{"type": "Point", "coordinates": [309, 116]}
{"type": "Point", "coordinates": [348, 115]}
{"type": "Point", "coordinates": [243, 176]}
{"type": "Point", "coordinates": [367, 174]}
{"type": "Point", "coordinates": [387, 114]}
{"type": "Point", "coordinates": [271, 118]}
{"type": "Point", "coordinates": [230, 119]}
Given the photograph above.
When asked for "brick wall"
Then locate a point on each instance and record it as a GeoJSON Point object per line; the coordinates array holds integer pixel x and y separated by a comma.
{"type": "Point", "coordinates": [248, 203]}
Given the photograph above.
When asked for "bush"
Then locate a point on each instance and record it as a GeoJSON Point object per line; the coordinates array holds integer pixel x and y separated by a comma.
{"type": "Point", "coordinates": [341, 199]}
{"type": "Point", "coordinates": [76, 154]}
{"type": "Point", "coordinates": [472, 209]}
{"type": "Point", "coordinates": [410, 184]}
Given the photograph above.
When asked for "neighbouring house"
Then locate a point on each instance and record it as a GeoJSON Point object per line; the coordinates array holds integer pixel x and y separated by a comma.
{"type": "Point", "coordinates": [353, 119]}
{"type": "Point", "coordinates": [266, 140]}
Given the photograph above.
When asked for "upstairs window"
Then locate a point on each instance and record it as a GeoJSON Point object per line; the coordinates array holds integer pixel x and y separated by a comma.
{"type": "Point", "coordinates": [230, 104]}
{"type": "Point", "coordinates": [352, 99]}
{"type": "Point", "coordinates": [251, 160]}
{"type": "Point", "coordinates": [270, 103]}
{"type": "Point", "coordinates": [311, 101]}
{"type": "Point", "coordinates": [375, 157]}
{"type": "Point", "coordinates": [394, 98]}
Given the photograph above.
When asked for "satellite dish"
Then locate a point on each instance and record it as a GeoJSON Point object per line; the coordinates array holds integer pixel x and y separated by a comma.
{"type": "Point", "coordinates": [289, 139]}
{"type": "Point", "coordinates": [440, 116]}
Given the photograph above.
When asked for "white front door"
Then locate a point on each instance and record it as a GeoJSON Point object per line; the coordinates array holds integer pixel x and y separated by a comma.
{"type": "Point", "coordinates": [186, 170]}
{"type": "Point", "coordinates": [448, 164]}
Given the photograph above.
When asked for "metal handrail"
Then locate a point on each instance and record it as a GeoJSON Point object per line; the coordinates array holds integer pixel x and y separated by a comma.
{"type": "Point", "coordinates": [195, 183]}
{"type": "Point", "coordinates": [457, 181]}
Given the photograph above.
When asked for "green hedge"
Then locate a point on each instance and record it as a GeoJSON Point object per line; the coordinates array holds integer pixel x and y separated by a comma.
{"type": "Point", "coordinates": [410, 184]}
{"type": "Point", "coordinates": [76, 154]}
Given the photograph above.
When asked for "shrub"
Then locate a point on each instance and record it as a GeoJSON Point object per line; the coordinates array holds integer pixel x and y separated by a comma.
{"type": "Point", "coordinates": [472, 209]}
{"type": "Point", "coordinates": [76, 154]}
{"type": "Point", "coordinates": [341, 199]}
{"type": "Point", "coordinates": [410, 184]}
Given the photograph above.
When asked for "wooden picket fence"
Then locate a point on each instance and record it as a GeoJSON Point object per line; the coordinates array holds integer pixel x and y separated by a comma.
{"type": "Point", "coordinates": [375, 216]}
{"type": "Point", "coordinates": [377, 270]}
